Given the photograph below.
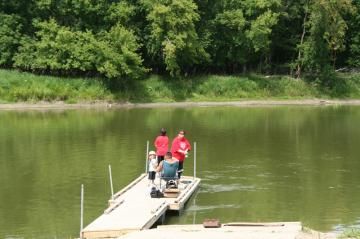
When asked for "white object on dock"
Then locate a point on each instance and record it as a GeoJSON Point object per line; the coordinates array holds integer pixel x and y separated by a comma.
{"type": "Point", "coordinates": [132, 208]}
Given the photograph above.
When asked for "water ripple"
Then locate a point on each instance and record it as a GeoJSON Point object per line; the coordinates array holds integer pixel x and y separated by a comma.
{"type": "Point", "coordinates": [215, 188]}
{"type": "Point", "coordinates": [194, 208]}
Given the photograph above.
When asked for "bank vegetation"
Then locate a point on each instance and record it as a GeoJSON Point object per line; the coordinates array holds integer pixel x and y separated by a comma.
{"type": "Point", "coordinates": [27, 87]}
{"type": "Point", "coordinates": [170, 50]}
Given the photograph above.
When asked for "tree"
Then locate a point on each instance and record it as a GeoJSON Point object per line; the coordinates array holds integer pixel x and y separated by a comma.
{"type": "Point", "coordinates": [241, 32]}
{"type": "Point", "coordinates": [230, 48]}
{"type": "Point", "coordinates": [117, 56]}
{"type": "Point", "coordinates": [354, 37]}
{"type": "Point", "coordinates": [58, 49]}
{"type": "Point", "coordinates": [80, 15]}
{"type": "Point", "coordinates": [179, 36]}
{"type": "Point", "coordinates": [285, 35]}
{"type": "Point", "coordinates": [172, 38]}
{"type": "Point", "coordinates": [324, 33]}
{"type": "Point", "coordinates": [10, 35]}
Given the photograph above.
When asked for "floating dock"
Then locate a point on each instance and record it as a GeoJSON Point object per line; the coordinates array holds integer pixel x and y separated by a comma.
{"type": "Point", "coordinates": [282, 230]}
{"type": "Point", "coordinates": [132, 209]}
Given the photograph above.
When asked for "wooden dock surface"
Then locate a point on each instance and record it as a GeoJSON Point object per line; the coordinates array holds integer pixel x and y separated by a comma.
{"type": "Point", "coordinates": [132, 208]}
{"type": "Point", "coordinates": [284, 230]}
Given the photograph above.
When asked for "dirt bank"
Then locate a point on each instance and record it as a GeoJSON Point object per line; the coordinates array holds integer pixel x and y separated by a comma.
{"type": "Point", "coordinates": [104, 105]}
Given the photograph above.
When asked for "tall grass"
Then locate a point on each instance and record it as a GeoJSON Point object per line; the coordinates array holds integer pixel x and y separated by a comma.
{"type": "Point", "coordinates": [350, 233]}
{"type": "Point", "coordinates": [25, 87]}
{"type": "Point", "coordinates": [225, 88]}
{"type": "Point", "coordinates": [21, 87]}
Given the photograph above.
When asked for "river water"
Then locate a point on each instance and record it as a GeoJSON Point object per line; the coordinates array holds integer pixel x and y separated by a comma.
{"type": "Point", "coordinates": [258, 164]}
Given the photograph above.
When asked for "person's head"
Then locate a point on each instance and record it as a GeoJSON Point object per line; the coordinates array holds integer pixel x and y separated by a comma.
{"type": "Point", "coordinates": [168, 155]}
{"type": "Point", "coordinates": [152, 154]}
{"type": "Point", "coordinates": [163, 132]}
{"type": "Point", "coordinates": [181, 133]}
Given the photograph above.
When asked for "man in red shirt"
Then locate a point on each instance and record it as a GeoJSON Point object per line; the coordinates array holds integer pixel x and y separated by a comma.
{"type": "Point", "coordinates": [161, 144]}
{"type": "Point", "coordinates": [179, 149]}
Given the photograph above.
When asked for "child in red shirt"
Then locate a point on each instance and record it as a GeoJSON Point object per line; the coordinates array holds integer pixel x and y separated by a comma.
{"type": "Point", "coordinates": [179, 149]}
{"type": "Point", "coordinates": [161, 144]}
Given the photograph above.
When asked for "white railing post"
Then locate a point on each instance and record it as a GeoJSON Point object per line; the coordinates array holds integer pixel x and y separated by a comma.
{"type": "Point", "coordinates": [146, 157]}
{"type": "Point", "coordinates": [111, 183]}
{"type": "Point", "coordinates": [194, 159]}
{"type": "Point", "coordinates": [81, 210]}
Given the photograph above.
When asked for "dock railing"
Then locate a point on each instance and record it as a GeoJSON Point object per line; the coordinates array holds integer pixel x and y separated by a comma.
{"type": "Point", "coordinates": [111, 183]}
{"type": "Point", "coordinates": [81, 210]}
{"type": "Point", "coordinates": [194, 159]}
{"type": "Point", "coordinates": [146, 156]}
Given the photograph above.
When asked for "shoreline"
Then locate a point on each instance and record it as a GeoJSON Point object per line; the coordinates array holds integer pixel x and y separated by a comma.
{"type": "Point", "coordinates": [107, 105]}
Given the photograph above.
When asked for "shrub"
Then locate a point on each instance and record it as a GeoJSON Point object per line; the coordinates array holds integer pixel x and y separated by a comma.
{"type": "Point", "coordinates": [10, 35]}
{"type": "Point", "coordinates": [58, 49]}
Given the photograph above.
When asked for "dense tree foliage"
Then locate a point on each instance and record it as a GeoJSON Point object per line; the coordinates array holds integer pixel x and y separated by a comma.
{"type": "Point", "coordinates": [126, 38]}
{"type": "Point", "coordinates": [353, 37]}
{"type": "Point", "coordinates": [10, 35]}
{"type": "Point", "coordinates": [326, 34]}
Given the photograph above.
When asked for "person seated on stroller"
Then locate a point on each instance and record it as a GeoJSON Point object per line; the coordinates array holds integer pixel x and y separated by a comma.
{"type": "Point", "coordinates": [168, 169]}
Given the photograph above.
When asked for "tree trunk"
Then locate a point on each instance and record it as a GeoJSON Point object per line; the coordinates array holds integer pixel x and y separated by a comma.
{"type": "Point", "coordinates": [298, 67]}
{"type": "Point", "coordinates": [244, 69]}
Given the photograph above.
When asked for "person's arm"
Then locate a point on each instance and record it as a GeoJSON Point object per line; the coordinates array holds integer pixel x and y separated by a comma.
{"type": "Point", "coordinates": [154, 163]}
{"type": "Point", "coordinates": [156, 142]}
{"type": "Point", "coordinates": [187, 148]}
{"type": "Point", "coordinates": [177, 165]}
{"type": "Point", "coordinates": [174, 146]}
{"type": "Point", "coordinates": [182, 151]}
{"type": "Point", "coordinates": [167, 143]}
{"type": "Point", "coordinates": [159, 167]}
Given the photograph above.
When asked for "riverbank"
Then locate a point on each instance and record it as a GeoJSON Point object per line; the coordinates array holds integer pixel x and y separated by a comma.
{"type": "Point", "coordinates": [107, 105]}
{"type": "Point", "coordinates": [16, 87]}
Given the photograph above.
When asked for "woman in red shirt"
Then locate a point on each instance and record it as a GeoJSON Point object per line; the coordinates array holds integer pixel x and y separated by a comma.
{"type": "Point", "coordinates": [179, 149]}
{"type": "Point", "coordinates": [161, 144]}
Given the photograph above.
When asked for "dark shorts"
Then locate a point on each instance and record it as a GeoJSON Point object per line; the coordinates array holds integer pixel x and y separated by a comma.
{"type": "Point", "coordinates": [152, 175]}
{"type": "Point", "coordinates": [160, 158]}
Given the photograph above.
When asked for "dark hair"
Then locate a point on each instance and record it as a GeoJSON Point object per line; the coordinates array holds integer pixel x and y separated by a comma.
{"type": "Point", "coordinates": [182, 131]}
{"type": "Point", "coordinates": [169, 154]}
{"type": "Point", "coordinates": [163, 132]}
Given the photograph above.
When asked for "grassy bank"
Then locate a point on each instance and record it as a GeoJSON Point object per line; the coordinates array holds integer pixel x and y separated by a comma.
{"type": "Point", "coordinates": [25, 87]}
{"type": "Point", "coordinates": [350, 233]}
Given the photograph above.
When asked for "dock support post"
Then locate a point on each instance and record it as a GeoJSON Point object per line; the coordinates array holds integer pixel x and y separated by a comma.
{"type": "Point", "coordinates": [146, 156]}
{"type": "Point", "coordinates": [163, 217]}
{"type": "Point", "coordinates": [111, 183]}
{"type": "Point", "coordinates": [194, 159]}
{"type": "Point", "coordinates": [81, 210]}
{"type": "Point", "coordinates": [194, 215]}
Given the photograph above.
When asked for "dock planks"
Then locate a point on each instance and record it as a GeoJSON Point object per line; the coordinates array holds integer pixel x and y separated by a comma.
{"type": "Point", "coordinates": [132, 208]}
{"type": "Point", "coordinates": [283, 230]}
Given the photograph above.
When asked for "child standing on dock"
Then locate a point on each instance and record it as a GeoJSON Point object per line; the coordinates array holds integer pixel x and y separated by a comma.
{"type": "Point", "coordinates": [179, 149]}
{"type": "Point", "coordinates": [161, 144]}
{"type": "Point", "coordinates": [152, 166]}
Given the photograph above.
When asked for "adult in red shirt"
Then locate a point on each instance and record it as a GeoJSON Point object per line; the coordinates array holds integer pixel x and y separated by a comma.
{"type": "Point", "coordinates": [161, 144]}
{"type": "Point", "coordinates": [179, 149]}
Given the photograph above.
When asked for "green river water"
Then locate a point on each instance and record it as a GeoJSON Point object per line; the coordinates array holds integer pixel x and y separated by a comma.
{"type": "Point", "coordinates": [260, 164]}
